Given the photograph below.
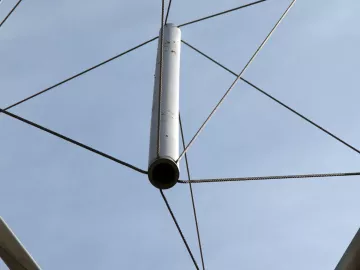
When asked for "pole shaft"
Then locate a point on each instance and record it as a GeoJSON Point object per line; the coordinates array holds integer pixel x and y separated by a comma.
{"type": "Point", "coordinates": [168, 128]}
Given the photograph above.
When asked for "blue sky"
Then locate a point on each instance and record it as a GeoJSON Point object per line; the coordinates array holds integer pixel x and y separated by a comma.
{"type": "Point", "coordinates": [75, 210]}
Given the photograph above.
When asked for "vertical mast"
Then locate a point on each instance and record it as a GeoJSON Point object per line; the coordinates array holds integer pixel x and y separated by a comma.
{"type": "Point", "coordinates": [163, 169]}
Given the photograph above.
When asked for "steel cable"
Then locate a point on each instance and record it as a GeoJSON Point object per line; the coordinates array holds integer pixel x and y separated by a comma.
{"type": "Point", "coordinates": [168, 11]}
{"type": "Point", "coordinates": [236, 80]}
{"type": "Point", "coordinates": [221, 13]}
{"type": "Point", "coordinates": [273, 98]}
{"type": "Point", "coordinates": [255, 178]}
{"type": "Point", "coordinates": [160, 77]}
{"type": "Point", "coordinates": [192, 196]}
{"type": "Point", "coordinates": [73, 141]}
{"type": "Point", "coordinates": [179, 229]}
{"type": "Point", "coordinates": [79, 74]}
{"type": "Point", "coordinates": [11, 11]}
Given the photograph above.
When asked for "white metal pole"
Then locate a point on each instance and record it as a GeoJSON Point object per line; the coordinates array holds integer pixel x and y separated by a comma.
{"type": "Point", "coordinates": [12, 252]}
{"type": "Point", "coordinates": [163, 170]}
